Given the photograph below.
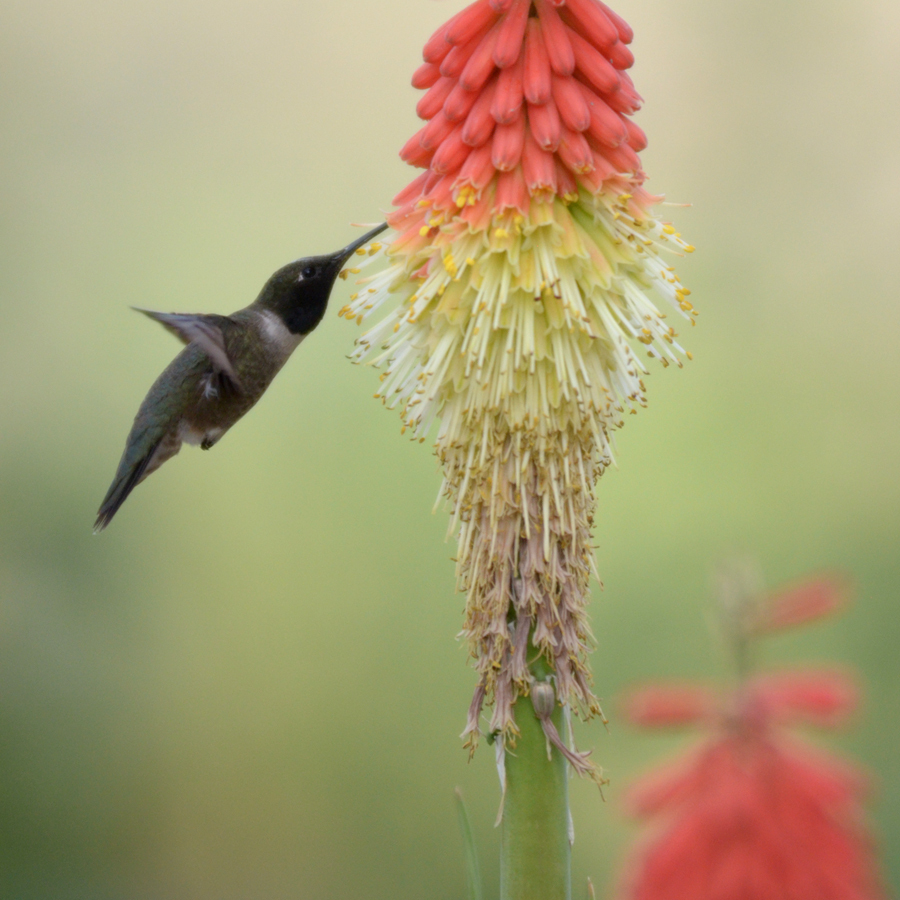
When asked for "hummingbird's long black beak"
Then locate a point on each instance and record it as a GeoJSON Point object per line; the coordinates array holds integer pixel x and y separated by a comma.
{"type": "Point", "coordinates": [343, 255]}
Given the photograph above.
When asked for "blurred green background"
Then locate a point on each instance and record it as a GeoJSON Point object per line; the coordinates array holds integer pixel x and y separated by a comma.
{"type": "Point", "coordinates": [249, 686]}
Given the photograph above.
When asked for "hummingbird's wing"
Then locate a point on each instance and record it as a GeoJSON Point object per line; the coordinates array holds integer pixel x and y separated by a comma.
{"type": "Point", "coordinates": [207, 331]}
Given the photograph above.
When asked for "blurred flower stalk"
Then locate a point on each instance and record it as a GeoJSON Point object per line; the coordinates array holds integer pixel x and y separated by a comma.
{"type": "Point", "coordinates": [527, 270]}
{"type": "Point", "coordinates": [752, 812]}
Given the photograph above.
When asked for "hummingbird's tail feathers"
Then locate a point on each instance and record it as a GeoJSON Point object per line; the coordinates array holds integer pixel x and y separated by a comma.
{"type": "Point", "coordinates": [123, 484]}
{"type": "Point", "coordinates": [207, 331]}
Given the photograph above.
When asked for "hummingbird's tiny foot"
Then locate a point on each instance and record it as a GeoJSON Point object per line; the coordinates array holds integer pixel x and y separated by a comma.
{"type": "Point", "coordinates": [206, 444]}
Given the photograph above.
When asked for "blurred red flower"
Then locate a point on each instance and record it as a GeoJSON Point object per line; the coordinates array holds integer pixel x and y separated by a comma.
{"type": "Point", "coordinates": [754, 814]}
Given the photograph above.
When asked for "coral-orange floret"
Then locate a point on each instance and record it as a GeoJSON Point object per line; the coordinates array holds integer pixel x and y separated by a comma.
{"type": "Point", "coordinates": [520, 73]}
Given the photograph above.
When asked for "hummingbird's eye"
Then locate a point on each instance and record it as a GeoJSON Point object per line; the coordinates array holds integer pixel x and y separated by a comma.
{"type": "Point", "coordinates": [308, 272]}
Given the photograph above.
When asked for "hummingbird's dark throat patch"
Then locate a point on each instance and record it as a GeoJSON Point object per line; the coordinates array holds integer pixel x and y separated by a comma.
{"type": "Point", "coordinates": [306, 304]}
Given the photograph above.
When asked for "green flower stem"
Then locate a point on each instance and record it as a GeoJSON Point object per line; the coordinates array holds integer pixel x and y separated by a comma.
{"type": "Point", "coordinates": [535, 855]}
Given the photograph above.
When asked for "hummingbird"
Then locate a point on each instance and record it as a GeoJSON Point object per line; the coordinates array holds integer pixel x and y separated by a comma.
{"type": "Point", "coordinates": [228, 363]}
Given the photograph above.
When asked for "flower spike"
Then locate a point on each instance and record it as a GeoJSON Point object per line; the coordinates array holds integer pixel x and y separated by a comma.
{"type": "Point", "coordinates": [527, 288]}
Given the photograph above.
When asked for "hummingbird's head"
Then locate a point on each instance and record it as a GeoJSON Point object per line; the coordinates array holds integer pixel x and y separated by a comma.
{"type": "Point", "coordinates": [298, 293]}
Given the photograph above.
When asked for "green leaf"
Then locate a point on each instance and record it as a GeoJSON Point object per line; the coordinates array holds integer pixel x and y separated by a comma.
{"type": "Point", "coordinates": [473, 875]}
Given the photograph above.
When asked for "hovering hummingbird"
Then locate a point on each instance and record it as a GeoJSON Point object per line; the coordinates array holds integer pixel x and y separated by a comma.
{"type": "Point", "coordinates": [226, 367]}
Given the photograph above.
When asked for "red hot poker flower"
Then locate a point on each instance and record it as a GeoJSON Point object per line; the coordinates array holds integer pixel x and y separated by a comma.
{"type": "Point", "coordinates": [752, 814]}
{"type": "Point", "coordinates": [528, 278]}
